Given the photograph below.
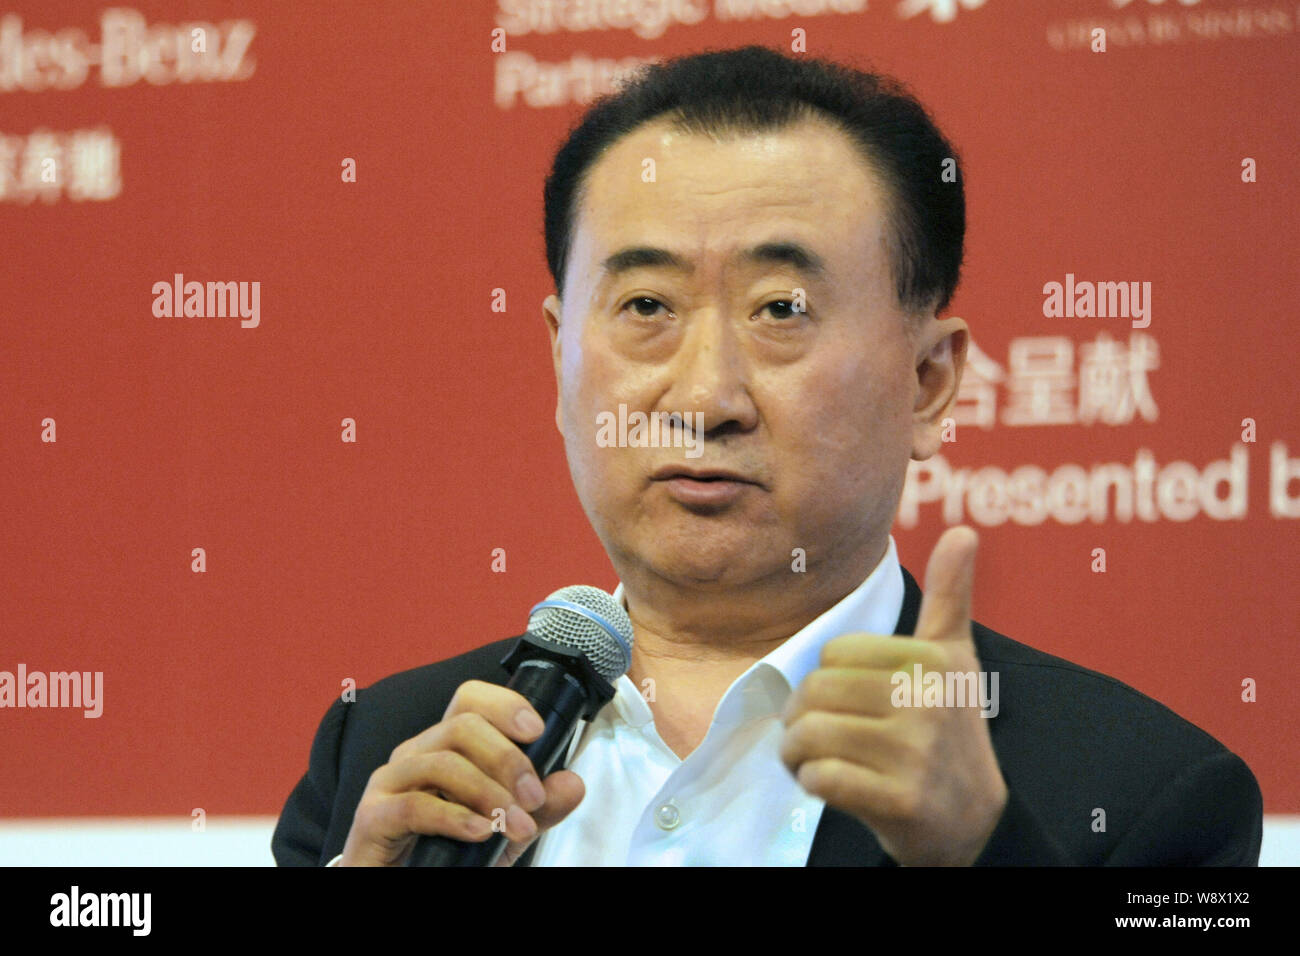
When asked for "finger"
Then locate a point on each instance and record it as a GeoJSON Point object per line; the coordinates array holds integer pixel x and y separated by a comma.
{"type": "Point", "coordinates": [450, 775]}
{"type": "Point", "coordinates": [564, 791]}
{"type": "Point", "coordinates": [497, 756]}
{"type": "Point", "coordinates": [861, 791]}
{"type": "Point", "coordinates": [878, 651]}
{"type": "Point", "coordinates": [500, 706]}
{"type": "Point", "coordinates": [399, 815]}
{"type": "Point", "coordinates": [949, 580]}
{"type": "Point", "coordinates": [868, 741]}
{"type": "Point", "coordinates": [504, 709]}
{"type": "Point", "coordinates": [849, 690]}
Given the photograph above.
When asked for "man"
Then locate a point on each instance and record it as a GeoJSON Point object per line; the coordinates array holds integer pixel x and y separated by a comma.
{"type": "Point", "coordinates": [758, 249]}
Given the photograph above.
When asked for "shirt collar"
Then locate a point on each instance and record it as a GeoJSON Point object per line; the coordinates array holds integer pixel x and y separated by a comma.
{"type": "Point", "coordinates": [873, 606]}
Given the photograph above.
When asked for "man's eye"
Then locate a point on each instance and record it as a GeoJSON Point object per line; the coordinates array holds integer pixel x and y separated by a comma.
{"type": "Point", "coordinates": [645, 306]}
{"type": "Point", "coordinates": [782, 309]}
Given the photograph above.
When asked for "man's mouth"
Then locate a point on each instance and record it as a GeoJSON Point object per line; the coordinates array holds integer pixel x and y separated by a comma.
{"type": "Point", "coordinates": [675, 472]}
{"type": "Point", "coordinates": [703, 488]}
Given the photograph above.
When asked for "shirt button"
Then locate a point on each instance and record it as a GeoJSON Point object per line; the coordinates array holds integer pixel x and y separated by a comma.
{"type": "Point", "coordinates": [667, 816]}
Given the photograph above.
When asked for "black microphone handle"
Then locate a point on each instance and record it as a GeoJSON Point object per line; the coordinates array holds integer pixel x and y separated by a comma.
{"type": "Point", "coordinates": [559, 699]}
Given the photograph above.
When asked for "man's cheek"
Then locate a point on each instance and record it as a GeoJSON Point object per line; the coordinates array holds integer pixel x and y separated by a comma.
{"type": "Point", "coordinates": [849, 440]}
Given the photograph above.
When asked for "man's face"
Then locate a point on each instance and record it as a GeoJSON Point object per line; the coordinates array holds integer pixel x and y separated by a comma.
{"type": "Point", "coordinates": [811, 415]}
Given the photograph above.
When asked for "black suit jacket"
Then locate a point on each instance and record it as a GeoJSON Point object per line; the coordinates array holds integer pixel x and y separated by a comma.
{"type": "Point", "coordinates": [1069, 741]}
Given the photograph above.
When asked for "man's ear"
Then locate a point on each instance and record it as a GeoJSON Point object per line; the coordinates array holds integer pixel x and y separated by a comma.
{"type": "Point", "coordinates": [940, 361]}
{"type": "Point", "coordinates": [551, 310]}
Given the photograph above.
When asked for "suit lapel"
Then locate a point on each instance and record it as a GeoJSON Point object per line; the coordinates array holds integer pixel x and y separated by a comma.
{"type": "Point", "coordinates": [841, 839]}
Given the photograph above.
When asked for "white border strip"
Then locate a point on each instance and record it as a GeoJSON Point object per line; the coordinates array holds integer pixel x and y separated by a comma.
{"type": "Point", "coordinates": [246, 841]}
{"type": "Point", "coordinates": [134, 841]}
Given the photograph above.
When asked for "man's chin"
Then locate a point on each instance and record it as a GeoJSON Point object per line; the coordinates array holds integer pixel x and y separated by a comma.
{"type": "Point", "coordinates": [712, 567]}
{"type": "Point", "coordinates": [708, 548]}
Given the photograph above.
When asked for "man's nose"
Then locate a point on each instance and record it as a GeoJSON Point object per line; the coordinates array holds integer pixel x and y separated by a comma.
{"type": "Point", "coordinates": [711, 376]}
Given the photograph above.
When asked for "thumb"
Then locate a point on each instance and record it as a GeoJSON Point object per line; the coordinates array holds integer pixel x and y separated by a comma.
{"type": "Point", "coordinates": [949, 580]}
{"type": "Point", "coordinates": [564, 791]}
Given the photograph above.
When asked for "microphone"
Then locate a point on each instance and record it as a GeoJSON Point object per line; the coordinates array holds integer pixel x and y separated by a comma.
{"type": "Point", "coordinates": [578, 642]}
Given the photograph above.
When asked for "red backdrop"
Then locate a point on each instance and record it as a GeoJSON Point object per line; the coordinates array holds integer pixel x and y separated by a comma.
{"type": "Point", "coordinates": [328, 560]}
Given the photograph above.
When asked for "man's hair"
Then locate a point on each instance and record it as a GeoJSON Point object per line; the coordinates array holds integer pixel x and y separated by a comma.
{"type": "Point", "coordinates": [755, 89]}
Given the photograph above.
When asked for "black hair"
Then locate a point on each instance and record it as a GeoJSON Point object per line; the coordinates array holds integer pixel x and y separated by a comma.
{"type": "Point", "coordinates": [754, 89]}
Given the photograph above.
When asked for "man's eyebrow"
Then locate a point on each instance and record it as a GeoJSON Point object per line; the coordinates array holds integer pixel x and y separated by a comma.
{"type": "Point", "coordinates": [639, 257]}
{"type": "Point", "coordinates": [782, 253]}
{"type": "Point", "coordinates": [788, 253]}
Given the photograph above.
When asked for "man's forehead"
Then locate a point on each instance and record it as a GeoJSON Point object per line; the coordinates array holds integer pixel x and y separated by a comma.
{"type": "Point", "coordinates": [660, 161]}
{"type": "Point", "coordinates": [659, 187]}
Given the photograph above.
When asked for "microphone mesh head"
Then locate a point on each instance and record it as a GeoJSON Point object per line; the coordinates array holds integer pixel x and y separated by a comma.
{"type": "Point", "coordinates": [589, 621]}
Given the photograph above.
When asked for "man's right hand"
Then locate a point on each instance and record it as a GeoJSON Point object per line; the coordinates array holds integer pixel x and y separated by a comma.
{"type": "Point", "coordinates": [458, 776]}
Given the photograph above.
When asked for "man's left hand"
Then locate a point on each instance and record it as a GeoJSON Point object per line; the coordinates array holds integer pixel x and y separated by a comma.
{"type": "Point", "coordinates": [924, 779]}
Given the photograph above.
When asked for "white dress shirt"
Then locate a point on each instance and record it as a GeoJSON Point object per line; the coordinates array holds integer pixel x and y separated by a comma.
{"type": "Point", "coordinates": [731, 802]}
